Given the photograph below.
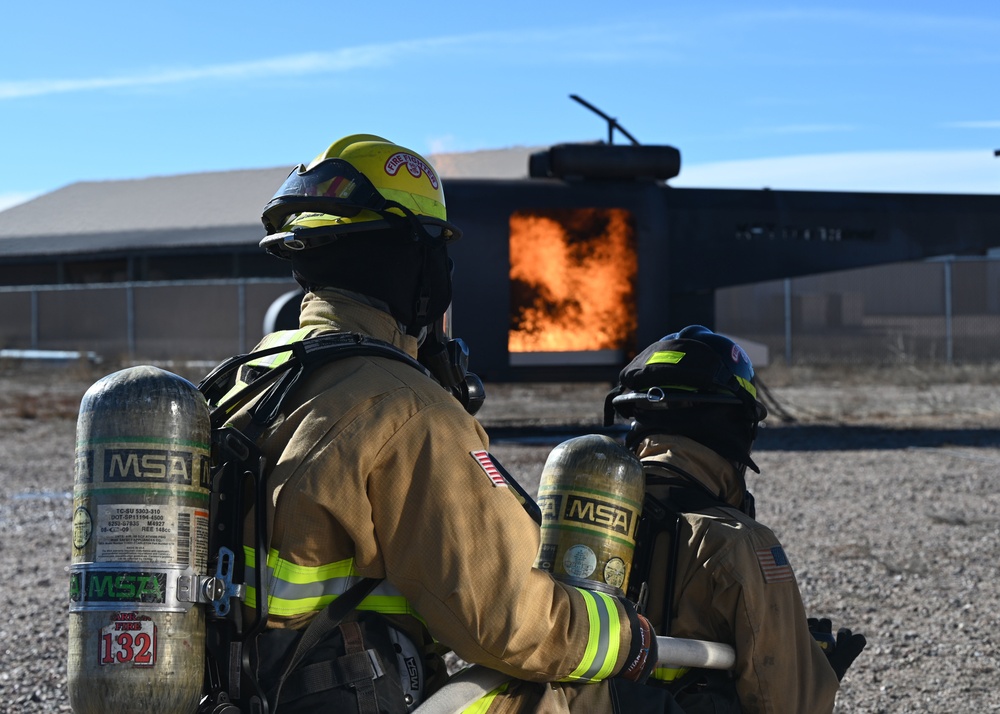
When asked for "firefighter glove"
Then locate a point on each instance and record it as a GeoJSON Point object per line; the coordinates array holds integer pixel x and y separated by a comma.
{"type": "Point", "coordinates": [822, 632]}
{"type": "Point", "coordinates": [843, 650]}
{"type": "Point", "coordinates": [848, 647]}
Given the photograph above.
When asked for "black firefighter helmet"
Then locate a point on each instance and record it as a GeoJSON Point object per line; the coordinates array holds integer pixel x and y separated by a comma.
{"type": "Point", "coordinates": [693, 383]}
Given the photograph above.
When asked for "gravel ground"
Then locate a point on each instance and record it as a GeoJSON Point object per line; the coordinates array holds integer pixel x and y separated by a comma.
{"type": "Point", "coordinates": [882, 486]}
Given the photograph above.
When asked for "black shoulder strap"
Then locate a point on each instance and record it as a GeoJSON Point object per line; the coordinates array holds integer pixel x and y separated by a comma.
{"type": "Point", "coordinates": [322, 625]}
{"type": "Point", "coordinates": [306, 355]}
{"type": "Point", "coordinates": [686, 495]}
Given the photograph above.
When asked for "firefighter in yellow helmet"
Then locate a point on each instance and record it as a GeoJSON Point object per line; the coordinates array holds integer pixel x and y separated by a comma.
{"type": "Point", "coordinates": [376, 471]}
{"type": "Point", "coordinates": [712, 572]}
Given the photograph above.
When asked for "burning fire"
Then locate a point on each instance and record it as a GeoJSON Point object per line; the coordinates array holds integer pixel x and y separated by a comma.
{"type": "Point", "coordinates": [572, 276]}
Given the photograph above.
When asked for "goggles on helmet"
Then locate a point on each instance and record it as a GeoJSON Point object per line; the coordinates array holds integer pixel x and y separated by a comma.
{"type": "Point", "coordinates": [334, 187]}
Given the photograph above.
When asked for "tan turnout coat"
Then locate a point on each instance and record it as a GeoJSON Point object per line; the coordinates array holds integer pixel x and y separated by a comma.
{"type": "Point", "coordinates": [372, 463]}
{"type": "Point", "coordinates": [730, 590]}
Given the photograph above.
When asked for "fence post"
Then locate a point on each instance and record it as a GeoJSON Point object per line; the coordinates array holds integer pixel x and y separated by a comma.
{"type": "Point", "coordinates": [948, 336]}
{"type": "Point", "coordinates": [788, 321]}
{"type": "Point", "coordinates": [130, 320]}
{"type": "Point", "coordinates": [34, 319]}
{"type": "Point", "coordinates": [241, 299]}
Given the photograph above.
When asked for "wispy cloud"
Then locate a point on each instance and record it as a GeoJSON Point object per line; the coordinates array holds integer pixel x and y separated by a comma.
{"type": "Point", "coordinates": [892, 171]}
{"type": "Point", "coordinates": [442, 144]}
{"type": "Point", "coordinates": [804, 129]}
{"type": "Point", "coordinates": [989, 124]}
{"type": "Point", "coordinates": [303, 64]}
{"type": "Point", "coordinates": [876, 19]}
{"type": "Point", "coordinates": [9, 200]}
{"type": "Point", "coordinates": [552, 45]}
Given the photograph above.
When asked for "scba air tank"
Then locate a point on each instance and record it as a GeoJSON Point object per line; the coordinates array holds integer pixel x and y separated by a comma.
{"type": "Point", "coordinates": [140, 539]}
{"type": "Point", "coordinates": [590, 494]}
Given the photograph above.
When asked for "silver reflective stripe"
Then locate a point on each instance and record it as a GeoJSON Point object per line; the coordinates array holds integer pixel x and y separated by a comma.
{"type": "Point", "coordinates": [297, 589]}
{"type": "Point", "coordinates": [604, 635]}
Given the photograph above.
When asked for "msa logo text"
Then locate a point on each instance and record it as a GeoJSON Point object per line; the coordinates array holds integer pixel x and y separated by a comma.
{"type": "Point", "coordinates": [159, 465]}
{"type": "Point", "coordinates": [599, 513]}
{"type": "Point", "coordinates": [549, 506]}
{"type": "Point", "coordinates": [119, 587]}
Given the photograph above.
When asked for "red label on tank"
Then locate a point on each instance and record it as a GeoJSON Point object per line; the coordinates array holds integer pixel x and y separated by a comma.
{"type": "Point", "coordinates": [130, 638]}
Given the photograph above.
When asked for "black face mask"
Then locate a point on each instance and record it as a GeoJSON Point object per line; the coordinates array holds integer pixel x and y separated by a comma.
{"type": "Point", "coordinates": [724, 428]}
{"type": "Point", "coordinates": [412, 277]}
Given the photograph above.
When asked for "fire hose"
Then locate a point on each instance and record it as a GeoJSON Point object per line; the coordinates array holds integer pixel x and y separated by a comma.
{"type": "Point", "coordinates": [475, 682]}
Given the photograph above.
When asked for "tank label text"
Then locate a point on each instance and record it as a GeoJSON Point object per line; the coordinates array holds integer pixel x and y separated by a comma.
{"type": "Point", "coordinates": [602, 514]}
{"type": "Point", "coordinates": [152, 533]}
{"type": "Point", "coordinates": [132, 465]}
{"type": "Point", "coordinates": [104, 586]}
{"type": "Point", "coordinates": [550, 506]}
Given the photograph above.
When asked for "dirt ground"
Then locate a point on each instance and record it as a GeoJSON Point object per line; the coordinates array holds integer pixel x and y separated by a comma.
{"type": "Point", "coordinates": [882, 485]}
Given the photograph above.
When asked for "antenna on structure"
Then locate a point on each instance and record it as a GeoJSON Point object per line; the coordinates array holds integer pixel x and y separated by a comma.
{"type": "Point", "coordinates": [612, 122]}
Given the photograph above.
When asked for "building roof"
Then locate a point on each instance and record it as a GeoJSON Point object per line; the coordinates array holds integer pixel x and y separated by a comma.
{"type": "Point", "coordinates": [195, 210]}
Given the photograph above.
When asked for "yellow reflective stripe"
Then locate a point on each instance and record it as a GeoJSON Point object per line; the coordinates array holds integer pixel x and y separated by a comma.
{"type": "Point", "coordinates": [601, 653]}
{"type": "Point", "coordinates": [295, 589]}
{"type": "Point", "coordinates": [669, 674]}
{"type": "Point", "coordinates": [483, 704]}
{"type": "Point", "coordinates": [301, 574]}
{"type": "Point", "coordinates": [275, 339]}
{"type": "Point", "coordinates": [666, 357]}
{"type": "Point", "coordinates": [747, 385]}
{"type": "Point", "coordinates": [385, 604]}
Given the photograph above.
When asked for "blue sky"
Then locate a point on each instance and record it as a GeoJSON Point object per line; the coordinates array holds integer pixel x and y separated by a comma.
{"type": "Point", "coordinates": [878, 95]}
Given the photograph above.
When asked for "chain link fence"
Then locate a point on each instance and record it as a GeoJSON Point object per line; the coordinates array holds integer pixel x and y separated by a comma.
{"type": "Point", "coordinates": [190, 320]}
{"type": "Point", "coordinates": [939, 311]}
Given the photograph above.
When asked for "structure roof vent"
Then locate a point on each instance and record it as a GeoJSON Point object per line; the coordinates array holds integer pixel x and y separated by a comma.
{"type": "Point", "coordinates": [606, 161]}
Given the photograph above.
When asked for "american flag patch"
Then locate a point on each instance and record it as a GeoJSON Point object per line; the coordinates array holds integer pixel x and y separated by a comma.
{"type": "Point", "coordinates": [774, 564]}
{"type": "Point", "coordinates": [486, 462]}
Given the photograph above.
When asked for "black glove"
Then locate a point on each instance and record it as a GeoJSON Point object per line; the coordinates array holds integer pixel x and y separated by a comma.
{"type": "Point", "coordinates": [843, 650]}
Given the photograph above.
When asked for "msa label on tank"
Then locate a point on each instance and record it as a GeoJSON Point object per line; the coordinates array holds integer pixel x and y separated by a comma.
{"type": "Point", "coordinates": [84, 467]}
{"type": "Point", "coordinates": [550, 507]}
{"type": "Point", "coordinates": [602, 514]}
{"type": "Point", "coordinates": [152, 534]}
{"type": "Point", "coordinates": [117, 586]}
{"type": "Point", "coordinates": [129, 639]}
{"type": "Point", "coordinates": [146, 465]}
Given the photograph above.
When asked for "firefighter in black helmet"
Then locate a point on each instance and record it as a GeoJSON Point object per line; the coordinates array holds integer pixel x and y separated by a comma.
{"type": "Point", "coordinates": [710, 570]}
{"type": "Point", "coordinates": [375, 471]}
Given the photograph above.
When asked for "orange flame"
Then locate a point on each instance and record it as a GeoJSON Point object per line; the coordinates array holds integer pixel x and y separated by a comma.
{"type": "Point", "coordinates": [572, 275]}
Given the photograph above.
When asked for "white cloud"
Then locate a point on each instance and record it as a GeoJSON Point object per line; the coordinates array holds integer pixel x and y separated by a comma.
{"type": "Point", "coordinates": [304, 64]}
{"type": "Point", "coordinates": [9, 200]}
{"type": "Point", "coordinates": [990, 124]}
{"type": "Point", "coordinates": [803, 129]}
{"type": "Point", "coordinates": [890, 171]}
{"type": "Point", "coordinates": [548, 44]}
{"type": "Point", "coordinates": [441, 144]}
{"type": "Point", "coordinates": [343, 60]}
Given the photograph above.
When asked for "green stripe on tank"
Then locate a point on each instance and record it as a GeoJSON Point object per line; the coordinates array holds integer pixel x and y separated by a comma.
{"type": "Point", "coordinates": [129, 440]}
{"type": "Point", "coordinates": [596, 530]}
{"type": "Point", "coordinates": [132, 491]}
{"type": "Point", "coordinates": [577, 489]}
